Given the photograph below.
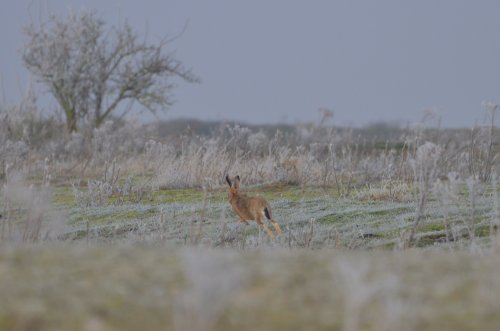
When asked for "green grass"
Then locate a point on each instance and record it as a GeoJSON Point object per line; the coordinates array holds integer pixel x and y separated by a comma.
{"type": "Point", "coordinates": [382, 215]}
{"type": "Point", "coordinates": [372, 224]}
{"type": "Point", "coordinates": [124, 265]}
{"type": "Point", "coordinates": [175, 195]}
{"type": "Point", "coordinates": [291, 192]}
{"type": "Point", "coordinates": [118, 216]}
{"type": "Point", "coordinates": [63, 196]}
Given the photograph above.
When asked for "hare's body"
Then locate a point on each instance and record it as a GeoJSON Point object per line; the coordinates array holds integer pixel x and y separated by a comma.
{"type": "Point", "coordinates": [250, 208]}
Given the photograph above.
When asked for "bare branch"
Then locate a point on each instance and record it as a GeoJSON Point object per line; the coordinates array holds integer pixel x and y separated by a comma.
{"type": "Point", "coordinates": [91, 71]}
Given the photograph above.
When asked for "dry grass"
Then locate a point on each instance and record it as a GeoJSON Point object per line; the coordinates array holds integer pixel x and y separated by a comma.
{"type": "Point", "coordinates": [131, 288]}
{"type": "Point", "coordinates": [78, 211]}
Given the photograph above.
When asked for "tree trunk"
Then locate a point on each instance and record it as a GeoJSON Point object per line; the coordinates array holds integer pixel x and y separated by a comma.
{"type": "Point", "coordinates": [71, 121]}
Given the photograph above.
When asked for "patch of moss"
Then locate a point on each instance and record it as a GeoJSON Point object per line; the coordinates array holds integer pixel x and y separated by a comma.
{"type": "Point", "coordinates": [429, 227]}
{"type": "Point", "coordinates": [77, 235]}
{"type": "Point", "coordinates": [290, 192]}
{"type": "Point", "coordinates": [431, 239]}
{"type": "Point", "coordinates": [333, 218]}
{"type": "Point", "coordinates": [118, 216]}
{"type": "Point", "coordinates": [179, 195]}
{"type": "Point", "coordinates": [387, 212]}
{"type": "Point", "coordinates": [483, 231]}
{"type": "Point", "coordinates": [63, 196]}
{"type": "Point", "coordinates": [390, 245]}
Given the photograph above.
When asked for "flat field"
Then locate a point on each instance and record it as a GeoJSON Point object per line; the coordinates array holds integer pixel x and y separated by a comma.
{"type": "Point", "coordinates": [124, 228]}
{"type": "Point", "coordinates": [178, 259]}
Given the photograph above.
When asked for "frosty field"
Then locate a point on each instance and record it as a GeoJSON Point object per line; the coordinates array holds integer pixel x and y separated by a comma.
{"type": "Point", "coordinates": [127, 229]}
{"type": "Point", "coordinates": [180, 260]}
{"type": "Point", "coordinates": [312, 218]}
{"type": "Point", "coordinates": [241, 166]}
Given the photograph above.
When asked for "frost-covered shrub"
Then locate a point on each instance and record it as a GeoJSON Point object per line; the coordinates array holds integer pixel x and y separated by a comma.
{"type": "Point", "coordinates": [111, 140]}
{"type": "Point", "coordinates": [385, 191]}
{"type": "Point", "coordinates": [257, 142]}
{"type": "Point", "coordinates": [425, 172]}
{"type": "Point", "coordinates": [96, 193]}
{"type": "Point", "coordinates": [345, 158]}
{"type": "Point", "coordinates": [27, 212]}
{"type": "Point", "coordinates": [20, 129]}
{"type": "Point", "coordinates": [13, 152]}
{"type": "Point", "coordinates": [425, 162]}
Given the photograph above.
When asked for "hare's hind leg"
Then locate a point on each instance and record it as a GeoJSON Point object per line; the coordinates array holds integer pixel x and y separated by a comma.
{"type": "Point", "coordinates": [258, 219]}
{"type": "Point", "coordinates": [267, 212]}
{"type": "Point", "coordinates": [276, 227]}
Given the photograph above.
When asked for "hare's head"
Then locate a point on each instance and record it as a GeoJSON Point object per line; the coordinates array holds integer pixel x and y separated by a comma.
{"type": "Point", "coordinates": [234, 184]}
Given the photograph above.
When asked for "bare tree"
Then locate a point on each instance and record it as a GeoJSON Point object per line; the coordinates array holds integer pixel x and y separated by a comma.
{"type": "Point", "coordinates": [90, 71]}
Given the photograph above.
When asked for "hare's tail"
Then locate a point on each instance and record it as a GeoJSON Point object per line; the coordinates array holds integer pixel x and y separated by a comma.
{"type": "Point", "coordinates": [268, 214]}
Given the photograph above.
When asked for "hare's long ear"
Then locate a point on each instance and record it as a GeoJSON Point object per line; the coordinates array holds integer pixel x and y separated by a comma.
{"type": "Point", "coordinates": [237, 182]}
{"type": "Point", "coordinates": [228, 180]}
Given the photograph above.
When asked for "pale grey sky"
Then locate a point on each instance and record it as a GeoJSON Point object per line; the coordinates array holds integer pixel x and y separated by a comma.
{"type": "Point", "coordinates": [266, 61]}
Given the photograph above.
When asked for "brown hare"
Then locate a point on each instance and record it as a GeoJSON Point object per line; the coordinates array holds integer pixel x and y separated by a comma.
{"type": "Point", "coordinates": [250, 208]}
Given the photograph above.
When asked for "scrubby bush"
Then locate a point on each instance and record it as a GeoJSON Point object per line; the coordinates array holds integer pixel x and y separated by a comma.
{"type": "Point", "coordinates": [305, 155]}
